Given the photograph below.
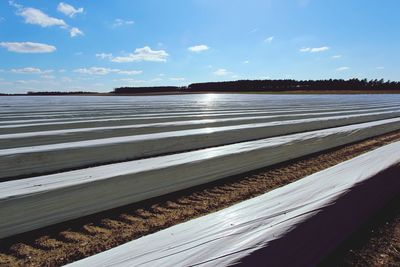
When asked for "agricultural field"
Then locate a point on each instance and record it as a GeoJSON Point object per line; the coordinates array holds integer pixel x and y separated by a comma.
{"type": "Point", "coordinates": [170, 180]}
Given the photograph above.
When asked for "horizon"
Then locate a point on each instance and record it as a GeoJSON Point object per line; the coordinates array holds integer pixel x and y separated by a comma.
{"type": "Point", "coordinates": [87, 46]}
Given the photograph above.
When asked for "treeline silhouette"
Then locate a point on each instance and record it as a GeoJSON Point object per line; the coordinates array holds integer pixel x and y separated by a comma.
{"type": "Point", "coordinates": [61, 93]}
{"type": "Point", "coordinates": [294, 85]}
{"type": "Point", "coordinates": [286, 85]}
{"type": "Point", "coordinates": [143, 90]}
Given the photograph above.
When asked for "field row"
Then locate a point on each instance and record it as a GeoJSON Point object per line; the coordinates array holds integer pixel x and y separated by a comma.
{"type": "Point", "coordinates": [299, 220]}
{"type": "Point", "coordinates": [62, 160]}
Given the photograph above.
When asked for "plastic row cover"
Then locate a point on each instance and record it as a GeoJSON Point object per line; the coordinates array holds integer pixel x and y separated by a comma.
{"type": "Point", "coordinates": [294, 225]}
{"type": "Point", "coordinates": [25, 161]}
{"type": "Point", "coordinates": [33, 203]}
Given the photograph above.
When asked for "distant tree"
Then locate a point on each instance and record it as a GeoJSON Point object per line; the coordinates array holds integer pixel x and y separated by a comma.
{"type": "Point", "coordinates": [294, 85]}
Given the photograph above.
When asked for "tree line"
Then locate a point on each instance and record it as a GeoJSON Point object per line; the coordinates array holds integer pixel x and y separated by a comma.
{"type": "Point", "coordinates": [294, 85]}
{"type": "Point", "coordinates": [60, 93]}
{"type": "Point", "coordinates": [271, 86]}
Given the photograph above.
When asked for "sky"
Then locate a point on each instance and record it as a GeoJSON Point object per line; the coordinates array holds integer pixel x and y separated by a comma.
{"type": "Point", "coordinates": [99, 45]}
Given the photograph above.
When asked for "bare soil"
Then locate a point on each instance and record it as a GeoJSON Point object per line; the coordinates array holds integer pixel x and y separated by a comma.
{"type": "Point", "coordinates": [77, 239]}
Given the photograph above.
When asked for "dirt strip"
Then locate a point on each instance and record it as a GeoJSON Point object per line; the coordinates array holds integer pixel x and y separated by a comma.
{"type": "Point", "coordinates": [70, 241]}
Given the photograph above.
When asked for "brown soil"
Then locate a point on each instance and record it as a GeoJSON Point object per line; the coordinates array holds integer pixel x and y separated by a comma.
{"type": "Point", "coordinates": [74, 240]}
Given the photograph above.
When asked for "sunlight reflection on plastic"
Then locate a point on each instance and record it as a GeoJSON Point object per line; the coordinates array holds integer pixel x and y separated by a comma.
{"type": "Point", "coordinates": [209, 99]}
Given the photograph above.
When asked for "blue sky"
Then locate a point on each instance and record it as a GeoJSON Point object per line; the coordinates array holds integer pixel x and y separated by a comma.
{"type": "Point", "coordinates": [100, 45]}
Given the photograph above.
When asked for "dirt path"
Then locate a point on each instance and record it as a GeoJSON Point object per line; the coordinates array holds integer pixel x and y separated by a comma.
{"type": "Point", "coordinates": [70, 241]}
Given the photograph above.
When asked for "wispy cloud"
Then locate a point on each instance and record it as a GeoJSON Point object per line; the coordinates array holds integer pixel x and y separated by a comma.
{"type": "Point", "coordinates": [198, 48]}
{"type": "Point", "coordinates": [342, 68]}
{"type": "Point", "coordinates": [66, 79]}
{"type": "Point", "coordinates": [314, 49]}
{"type": "Point", "coordinates": [254, 30]}
{"type": "Point", "coordinates": [177, 79]}
{"type": "Point", "coordinates": [28, 47]}
{"type": "Point", "coordinates": [269, 39]}
{"type": "Point", "coordinates": [37, 17]}
{"type": "Point", "coordinates": [48, 77]}
{"type": "Point", "coordinates": [246, 62]}
{"type": "Point", "coordinates": [105, 71]}
{"type": "Point", "coordinates": [69, 10]}
{"type": "Point", "coordinates": [129, 72]}
{"type": "Point", "coordinates": [337, 56]}
{"type": "Point", "coordinates": [104, 55]}
{"type": "Point", "coordinates": [143, 54]}
{"type": "Point", "coordinates": [222, 72]}
{"type": "Point", "coordinates": [122, 22]}
{"type": "Point", "coordinates": [31, 70]}
{"type": "Point", "coordinates": [380, 68]}
{"type": "Point", "coordinates": [73, 32]}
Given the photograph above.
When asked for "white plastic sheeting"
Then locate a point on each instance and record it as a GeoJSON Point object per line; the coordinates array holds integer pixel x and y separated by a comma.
{"type": "Point", "coordinates": [36, 202]}
{"type": "Point", "coordinates": [42, 137]}
{"type": "Point", "coordinates": [63, 156]}
{"type": "Point", "coordinates": [235, 234]}
{"type": "Point", "coordinates": [52, 134]}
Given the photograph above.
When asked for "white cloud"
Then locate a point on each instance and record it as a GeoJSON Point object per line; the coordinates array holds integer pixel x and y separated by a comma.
{"type": "Point", "coordinates": [27, 70]}
{"type": "Point", "coordinates": [68, 10]}
{"type": "Point", "coordinates": [121, 22]}
{"type": "Point", "coordinates": [342, 68]}
{"type": "Point", "coordinates": [62, 70]}
{"type": "Point", "coordinates": [28, 47]}
{"type": "Point", "coordinates": [143, 54]}
{"type": "Point", "coordinates": [5, 82]}
{"type": "Point", "coordinates": [37, 17]}
{"type": "Point", "coordinates": [130, 72]}
{"type": "Point", "coordinates": [337, 56]}
{"type": "Point", "coordinates": [129, 80]}
{"type": "Point", "coordinates": [94, 71]}
{"type": "Point", "coordinates": [14, 4]}
{"type": "Point", "coordinates": [222, 72]}
{"type": "Point", "coordinates": [48, 77]}
{"type": "Point", "coordinates": [380, 68]}
{"type": "Point", "coordinates": [30, 70]}
{"type": "Point", "coordinates": [105, 71]}
{"type": "Point", "coordinates": [73, 32]}
{"type": "Point", "coordinates": [269, 39]}
{"type": "Point", "coordinates": [66, 79]}
{"type": "Point", "coordinates": [314, 49]}
{"type": "Point", "coordinates": [177, 79]}
{"type": "Point", "coordinates": [254, 30]}
{"type": "Point", "coordinates": [104, 55]}
{"type": "Point", "coordinates": [198, 48]}
{"type": "Point", "coordinates": [246, 62]}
